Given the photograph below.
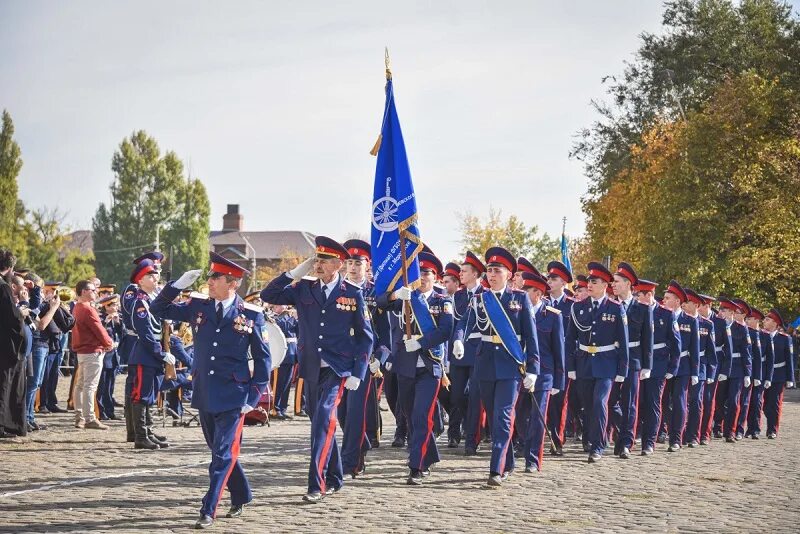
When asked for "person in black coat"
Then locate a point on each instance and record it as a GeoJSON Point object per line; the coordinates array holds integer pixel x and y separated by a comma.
{"type": "Point", "coordinates": [12, 354]}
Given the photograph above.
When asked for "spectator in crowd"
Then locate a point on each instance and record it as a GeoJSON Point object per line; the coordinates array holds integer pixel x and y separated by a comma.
{"type": "Point", "coordinates": [54, 334]}
{"type": "Point", "coordinates": [90, 341]}
{"type": "Point", "coordinates": [12, 353]}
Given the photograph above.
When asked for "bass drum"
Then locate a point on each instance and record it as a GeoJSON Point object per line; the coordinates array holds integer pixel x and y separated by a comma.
{"type": "Point", "coordinates": [277, 344]}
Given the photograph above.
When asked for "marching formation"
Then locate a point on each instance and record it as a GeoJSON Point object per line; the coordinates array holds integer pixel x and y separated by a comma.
{"type": "Point", "coordinates": [492, 351]}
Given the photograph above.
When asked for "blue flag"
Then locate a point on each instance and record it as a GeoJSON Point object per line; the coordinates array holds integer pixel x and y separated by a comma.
{"type": "Point", "coordinates": [394, 208]}
{"type": "Point", "coordinates": [565, 252]}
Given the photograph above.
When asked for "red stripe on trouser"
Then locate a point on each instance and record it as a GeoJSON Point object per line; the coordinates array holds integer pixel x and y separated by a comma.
{"type": "Point", "coordinates": [329, 437]}
{"type": "Point", "coordinates": [364, 419]}
{"type": "Point", "coordinates": [136, 391]}
{"type": "Point", "coordinates": [661, 407]}
{"type": "Point", "coordinates": [481, 423]}
{"type": "Point", "coordinates": [235, 446]}
{"type": "Point", "coordinates": [429, 433]}
{"type": "Point", "coordinates": [685, 419]}
{"type": "Point", "coordinates": [563, 422]}
{"type": "Point", "coordinates": [778, 411]}
{"type": "Point", "coordinates": [635, 414]}
{"type": "Point", "coordinates": [707, 429]}
{"type": "Point", "coordinates": [510, 432]}
{"type": "Point", "coordinates": [541, 445]}
{"type": "Point", "coordinates": [732, 431]}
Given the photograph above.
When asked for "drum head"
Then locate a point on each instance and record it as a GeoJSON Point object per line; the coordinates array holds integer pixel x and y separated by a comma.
{"type": "Point", "coordinates": [277, 344]}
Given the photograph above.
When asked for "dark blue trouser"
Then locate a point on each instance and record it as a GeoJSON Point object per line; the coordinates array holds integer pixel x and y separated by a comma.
{"type": "Point", "coordinates": [143, 383]}
{"type": "Point", "coordinates": [557, 415]}
{"type": "Point", "coordinates": [223, 433]}
{"type": "Point", "coordinates": [352, 413]}
{"type": "Point", "coordinates": [677, 423]}
{"type": "Point", "coordinates": [735, 387]}
{"type": "Point", "coordinates": [472, 417]}
{"type": "Point", "coordinates": [696, 398]}
{"type": "Point", "coordinates": [39, 357]}
{"type": "Point", "coordinates": [594, 393]}
{"type": "Point", "coordinates": [534, 437]}
{"type": "Point", "coordinates": [499, 400]}
{"type": "Point", "coordinates": [629, 403]}
{"type": "Point", "coordinates": [721, 404]}
{"type": "Point", "coordinates": [709, 401]}
{"type": "Point", "coordinates": [104, 393]}
{"type": "Point", "coordinates": [47, 395]}
{"type": "Point", "coordinates": [374, 419]}
{"type": "Point", "coordinates": [324, 396]}
{"type": "Point", "coordinates": [756, 407]}
{"type": "Point", "coordinates": [282, 386]}
{"type": "Point", "coordinates": [773, 406]}
{"type": "Point", "coordinates": [652, 390]}
{"type": "Point", "coordinates": [417, 398]}
{"type": "Point", "coordinates": [744, 407]}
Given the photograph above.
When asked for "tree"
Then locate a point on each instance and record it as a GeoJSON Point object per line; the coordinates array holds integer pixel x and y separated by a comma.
{"type": "Point", "coordinates": [510, 233]}
{"type": "Point", "coordinates": [150, 198]}
{"type": "Point", "coordinates": [11, 209]}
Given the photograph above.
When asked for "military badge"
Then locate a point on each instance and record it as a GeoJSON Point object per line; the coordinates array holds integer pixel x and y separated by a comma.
{"type": "Point", "coordinates": [515, 305]}
{"type": "Point", "coordinates": [141, 312]}
{"type": "Point", "coordinates": [199, 318]}
{"type": "Point", "coordinates": [448, 308]}
{"type": "Point", "coordinates": [264, 334]}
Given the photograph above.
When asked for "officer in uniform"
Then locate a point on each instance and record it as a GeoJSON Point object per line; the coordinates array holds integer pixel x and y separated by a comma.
{"type": "Point", "coordinates": [736, 369]}
{"type": "Point", "coordinates": [779, 373]}
{"type": "Point", "coordinates": [550, 340]}
{"type": "Point", "coordinates": [640, 352]}
{"type": "Point", "coordinates": [418, 360]}
{"type": "Point", "coordinates": [465, 399]}
{"type": "Point", "coordinates": [687, 372]}
{"type": "Point", "coordinates": [597, 355]}
{"type": "Point", "coordinates": [666, 352]}
{"type": "Point", "coordinates": [231, 371]}
{"type": "Point", "coordinates": [705, 372]}
{"type": "Point", "coordinates": [359, 411]}
{"type": "Point", "coordinates": [147, 359]}
{"type": "Point", "coordinates": [565, 403]}
{"type": "Point", "coordinates": [335, 344]}
{"type": "Point", "coordinates": [757, 389]}
{"type": "Point", "coordinates": [283, 383]}
{"type": "Point", "coordinates": [508, 355]}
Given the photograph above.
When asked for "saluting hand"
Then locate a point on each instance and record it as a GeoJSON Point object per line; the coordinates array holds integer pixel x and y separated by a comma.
{"type": "Point", "coordinates": [187, 279]}
{"type": "Point", "coordinates": [301, 270]}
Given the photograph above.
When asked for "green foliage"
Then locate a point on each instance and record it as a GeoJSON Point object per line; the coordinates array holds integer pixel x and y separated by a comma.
{"type": "Point", "coordinates": [149, 192]}
{"type": "Point", "coordinates": [510, 233]}
{"type": "Point", "coordinates": [10, 207]}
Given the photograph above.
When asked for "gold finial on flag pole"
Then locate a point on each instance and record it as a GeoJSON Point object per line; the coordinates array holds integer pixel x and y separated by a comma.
{"type": "Point", "coordinates": [386, 59]}
{"type": "Point", "coordinates": [377, 146]}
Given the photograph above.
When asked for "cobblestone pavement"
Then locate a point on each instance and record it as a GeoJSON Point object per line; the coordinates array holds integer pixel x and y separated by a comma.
{"type": "Point", "coordinates": [69, 480]}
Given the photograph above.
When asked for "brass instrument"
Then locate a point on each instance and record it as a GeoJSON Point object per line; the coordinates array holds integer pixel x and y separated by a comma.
{"type": "Point", "coordinates": [65, 294]}
{"type": "Point", "coordinates": [185, 333]}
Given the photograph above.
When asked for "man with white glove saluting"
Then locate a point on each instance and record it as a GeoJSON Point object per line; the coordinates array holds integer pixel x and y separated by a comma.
{"type": "Point", "coordinates": [337, 329]}
{"type": "Point", "coordinates": [231, 371]}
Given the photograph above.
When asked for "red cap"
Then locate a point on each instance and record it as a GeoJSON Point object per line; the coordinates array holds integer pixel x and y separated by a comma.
{"type": "Point", "coordinates": [533, 280]}
{"type": "Point", "coordinates": [645, 285]}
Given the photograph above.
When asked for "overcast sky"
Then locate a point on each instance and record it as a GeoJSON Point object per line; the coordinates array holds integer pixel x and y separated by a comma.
{"type": "Point", "coordinates": [275, 105]}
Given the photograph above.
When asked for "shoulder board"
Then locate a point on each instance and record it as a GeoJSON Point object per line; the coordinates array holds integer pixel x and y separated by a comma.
{"type": "Point", "coordinates": [252, 307]}
{"type": "Point", "coordinates": [664, 308]}
{"type": "Point", "coordinates": [439, 286]}
{"type": "Point", "coordinates": [615, 301]}
{"type": "Point", "coordinates": [784, 334]}
{"type": "Point", "coordinates": [552, 309]}
{"type": "Point", "coordinates": [353, 284]}
{"type": "Point", "coordinates": [568, 298]}
{"type": "Point", "coordinates": [310, 278]}
{"type": "Point", "coordinates": [196, 295]}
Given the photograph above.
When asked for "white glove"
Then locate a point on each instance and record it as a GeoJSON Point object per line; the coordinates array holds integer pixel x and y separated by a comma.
{"type": "Point", "coordinates": [374, 366]}
{"type": "Point", "coordinates": [695, 380]}
{"type": "Point", "coordinates": [668, 376]}
{"type": "Point", "coordinates": [644, 374]}
{"type": "Point", "coordinates": [790, 385]}
{"type": "Point", "coordinates": [572, 375]}
{"type": "Point", "coordinates": [619, 378]}
{"type": "Point", "coordinates": [722, 378]}
{"type": "Point", "coordinates": [187, 279]}
{"type": "Point", "coordinates": [301, 270]}
{"type": "Point", "coordinates": [352, 383]}
{"type": "Point", "coordinates": [412, 345]}
{"type": "Point", "coordinates": [756, 382]}
{"type": "Point", "coordinates": [554, 391]}
{"type": "Point", "coordinates": [247, 408]}
{"type": "Point", "coordinates": [747, 381]}
{"type": "Point", "coordinates": [168, 358]}
{"type": "Point", "coordinates": [529, 382]}
{"type": "Point", "coordinates": [447, 368]}
{"type": "Point", "coordinates": [458, 349]}
{"type": "Point", "coordinates": [404, 293]}
{"type": "Point", "coordinates": [709, 380]}
{"type": "Point", "coordinates": [767, 384]}
{"type": "Point", "coordinates": [388, 366]}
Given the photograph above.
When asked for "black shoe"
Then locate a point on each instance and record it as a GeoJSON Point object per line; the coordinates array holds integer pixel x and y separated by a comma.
{"type": "Point", "coordinates": [374, 443]}
{"type": "Point", "coordinates": [625, 454]}
{"type": "Point", "coordinates": [594, 457]}
{"type": "Point", "coordinates": [159, 440]}
{"type": "Point", "coordinates": [470, 452]}
{"type": "Point", "coordinates": [662, 438]}
{"type": "Point", "coordinates": [205, 521]}
{"type": "Point", "coordinates": [495, 481]}
{"type": "Point", "coordinates": [530, 469]}
{"type": "Point", "coordinates": [730, 439]}
{"type": "Point", "coordinates": [452, 444]}
{"type": "Point", "coordinates": [235, 511]}
{"type": "Point", "coordinates": [617, 449]}
{"type": "Point", "coordinates": [399, 443]}
{"type": "Point", "coordinates": [647, 451]}
{"type": "Point", "coordinates": [692, 444]}
{"type": "Point", "coordinates": [772, 435]}
{"type": "Point", "coordinates": [674, 447]}
{"type": "Point", "coordinates": [704, 442]}
{"type": "Point", "coordinates": [314, 497]}
{"type": "Point", "coordinates": [148, 445]}
{"type": "Point", "coordinates": [426, 473]}
{"type": "Point", "coordinates": [301, 413]}
{"type": "Point", "coordinates": [130, 438]}
{"type": "Point", "coordinates": [331, 490]}
{"type": "Point", "coordinates": [43, 410]}
{"type": "Point", "coordinates": [31, 428]}
{"type": "Point", "coordinates": [505, 475]}
{"type": "Point", "coordinates": [57, 409]}
{"type": "Point", "coordinates": [718, 434]}
{"type": "Point", "coordinates": [414, 478]}
{"type": "Point", "coordinates": [586, 448]}
{"type": "Point", "coordinates": [738, 437]}
{"type": "Point", "coordinates": [281, 417]}
{"type": "Point", "coordinates": [556, 451]}
{"type": "Point", "coordinates": [754, 436]}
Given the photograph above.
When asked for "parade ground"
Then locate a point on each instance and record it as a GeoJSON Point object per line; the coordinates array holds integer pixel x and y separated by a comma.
{"type": "Point", "coordinates": [68, 480]}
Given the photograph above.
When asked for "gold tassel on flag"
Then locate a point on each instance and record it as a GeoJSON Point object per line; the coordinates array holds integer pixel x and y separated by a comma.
{"type": "Point", "coordinates": [377, 146]}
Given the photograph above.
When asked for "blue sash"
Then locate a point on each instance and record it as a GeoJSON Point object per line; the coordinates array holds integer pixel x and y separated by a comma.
{"type": "Point", "coordinates": [426, 322]}
{"type": "Point", "coordinates": [502, 325]}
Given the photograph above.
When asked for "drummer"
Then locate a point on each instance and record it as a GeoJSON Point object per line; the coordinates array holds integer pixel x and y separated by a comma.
{"type": "Point", "coordinates": [287, 324]}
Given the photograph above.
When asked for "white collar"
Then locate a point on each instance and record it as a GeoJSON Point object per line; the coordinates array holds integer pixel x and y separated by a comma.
{"type": "Point", "coordinates": [599, 301]}
{"type": "Point", "coordinates": [330, 285]}
{"type": "Point", "coordinates": [427, 295]}
{"type": "Point", "coordinates": [225, 303]}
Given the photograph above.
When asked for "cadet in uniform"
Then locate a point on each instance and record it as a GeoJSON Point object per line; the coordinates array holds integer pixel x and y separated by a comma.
{"type": "Point", "coordinates": [283, 383]}
{"type": "Point", "coordinates": [754, 332]}
{"type": "Point", "coordinates": [640, 352]}
{"type": "Point", "coordinates": [550, 340]}
{"type": "Point", "coordinates": [465, 399]}
{"type": "Point", "coordinates": [597, 355]}
{"type": "Point", "coordinates": [735, 369]}
{"type": "Point", "coordinates": [231, 372]}
{"type": "Point", "coordinates": [757, 389]}
{"type": "Point", "coordinates": [723, 347]}
{"type": "Point", "coordinates": [508, 355]}
{"type": "Point", "coordinates": [705, 372]}
{"type": "Point", "coordinates": [779, 373]}
{"type": "Point", "coordinates": [564, 410]}
{"type": "Point", "coordinates": [335, 344]}
{"type": "Point", "coordinates": [419, 361]}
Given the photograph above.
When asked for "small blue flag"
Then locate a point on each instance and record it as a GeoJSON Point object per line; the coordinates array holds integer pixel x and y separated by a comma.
{"type": "Point", "coordinates": [565, 252]}
{"type": "Point", "coordinates": [394, 208]}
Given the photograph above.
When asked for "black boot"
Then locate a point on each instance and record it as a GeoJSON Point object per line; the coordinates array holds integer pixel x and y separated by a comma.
{"type": "Point", "coordinates": [129, 421]}
{"type": "Point", "coordinates": [140, 428]}
{"type": "Point", "coordinates": [161, 441]}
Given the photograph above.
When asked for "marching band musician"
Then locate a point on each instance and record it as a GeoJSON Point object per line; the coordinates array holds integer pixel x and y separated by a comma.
{"type": "Point", "coordinates": [231, 371]}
